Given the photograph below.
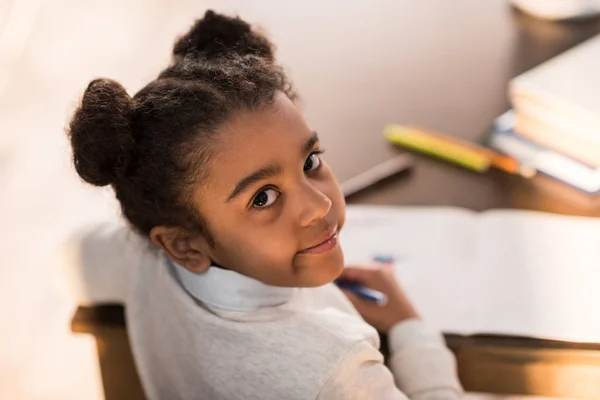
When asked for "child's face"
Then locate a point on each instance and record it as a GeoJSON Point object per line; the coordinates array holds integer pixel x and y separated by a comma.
{"type": "Point", "coordinates": [269, 199]}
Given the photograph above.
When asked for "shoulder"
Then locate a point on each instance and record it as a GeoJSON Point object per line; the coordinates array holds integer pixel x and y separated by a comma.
{"type": "Point", "coordinates": [301, 355]}
{"type": "Point", "coordinates": [293, 352]}
{"type": "Point", "coordinates": [108, 241]}
{"type": "Point", "coordinates": [307, 348]}
{"type": "Point", "coordinates": [361, 374]}
{"type": "Point", "coordinates": [96, 263]}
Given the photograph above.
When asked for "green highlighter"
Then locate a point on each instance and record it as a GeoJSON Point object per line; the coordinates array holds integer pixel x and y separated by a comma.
{"type": "Point", "coordinates": [456, 151]}
{"type": "Point", "coordinates": [462, 154]}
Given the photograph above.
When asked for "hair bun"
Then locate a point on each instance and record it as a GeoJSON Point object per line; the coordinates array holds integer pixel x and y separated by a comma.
{"type": "Point", "coordinates": [100, 133]}
{"type": "Point", "coordinates": [216, 35]}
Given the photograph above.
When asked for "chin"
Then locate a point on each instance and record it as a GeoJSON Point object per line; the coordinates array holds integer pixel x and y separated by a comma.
{"type": "Point", "coordinates": [323, 269]}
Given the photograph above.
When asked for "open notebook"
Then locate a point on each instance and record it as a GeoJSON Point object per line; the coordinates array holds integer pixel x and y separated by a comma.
{"type": "Point", "coordinates": [497, 272]}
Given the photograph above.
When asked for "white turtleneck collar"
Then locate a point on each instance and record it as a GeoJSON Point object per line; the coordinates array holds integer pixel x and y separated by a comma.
{"type": "Point", "coordinates": [229, 290]}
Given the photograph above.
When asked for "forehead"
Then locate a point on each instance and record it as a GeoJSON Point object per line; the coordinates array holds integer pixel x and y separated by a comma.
{"type": "Point", "coordinates": [253, 140]}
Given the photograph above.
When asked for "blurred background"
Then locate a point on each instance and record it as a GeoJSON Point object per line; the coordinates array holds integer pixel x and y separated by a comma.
{"type": "Point", "coordinates": [358, 65]}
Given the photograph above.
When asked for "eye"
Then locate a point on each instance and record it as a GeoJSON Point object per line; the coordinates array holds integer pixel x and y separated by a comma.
{"type": "Point", "coordinates": [313, 162]}
{"type": "Point", "coordinates": [265, 198]}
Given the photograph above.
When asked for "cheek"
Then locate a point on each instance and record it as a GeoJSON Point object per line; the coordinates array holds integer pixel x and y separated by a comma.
{"type": "Point", "coordinates": [274, 242]}
{"type": "Point", "coordinates": [266, 254]}
{"type": "Point", "coordinates": [260, 244]}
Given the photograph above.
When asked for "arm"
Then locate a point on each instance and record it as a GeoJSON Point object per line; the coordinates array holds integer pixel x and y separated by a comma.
{"type": "Point", "coordinates": [361, 375]}
{"type": "Point", "coordinates": [423, 366]}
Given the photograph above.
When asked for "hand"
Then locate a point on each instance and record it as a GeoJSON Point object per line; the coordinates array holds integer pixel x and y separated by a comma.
{"type": "Point", "coordinates": [379, 277]}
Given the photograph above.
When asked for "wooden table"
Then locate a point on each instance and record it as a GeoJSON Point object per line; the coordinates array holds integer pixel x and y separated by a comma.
{"type": "Point", "coordinates": [504, 365]}
{"type": "Point", "coordinates": [437, 183]}
{"type": "Point", "coordinates": [444, 66]}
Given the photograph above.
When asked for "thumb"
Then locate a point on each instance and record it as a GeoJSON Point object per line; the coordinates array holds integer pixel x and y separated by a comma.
{"type": "Point", "coordinates": [360, 274]}
{"type": "Point", "coordinates": [374, 277]}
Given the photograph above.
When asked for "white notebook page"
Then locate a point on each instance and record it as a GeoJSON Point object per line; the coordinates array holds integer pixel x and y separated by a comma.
{"type": "Point", "coordinates": [499, 272]}
{"type": "Point", "coordinates": [539, 275]}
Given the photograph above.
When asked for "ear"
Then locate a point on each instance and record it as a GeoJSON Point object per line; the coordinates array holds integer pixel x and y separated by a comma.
{"type": "Point", "coordinates": [186, 249]}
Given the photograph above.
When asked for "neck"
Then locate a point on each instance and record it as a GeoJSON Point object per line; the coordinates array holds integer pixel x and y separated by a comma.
{"type": "Point", "coordinates": [229, 290]}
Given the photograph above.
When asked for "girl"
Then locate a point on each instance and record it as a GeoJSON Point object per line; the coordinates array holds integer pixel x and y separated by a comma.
{"type": "Point", "coordinates": [233, 299]}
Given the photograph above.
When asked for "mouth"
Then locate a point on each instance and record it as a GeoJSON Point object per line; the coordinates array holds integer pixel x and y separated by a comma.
{"type": "Point", "coordinates": [327, 242]}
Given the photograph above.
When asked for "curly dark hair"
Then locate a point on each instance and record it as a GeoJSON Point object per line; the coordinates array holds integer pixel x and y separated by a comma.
{"type": "Point", "coordinates": [153, 148]}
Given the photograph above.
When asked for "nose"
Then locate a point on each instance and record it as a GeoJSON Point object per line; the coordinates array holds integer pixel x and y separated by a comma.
{"type": "Point", "coordinates": [314, 205]}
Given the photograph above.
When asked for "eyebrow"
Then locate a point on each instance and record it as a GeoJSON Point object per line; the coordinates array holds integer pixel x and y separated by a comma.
{"type": "Point", "coordinates": [262, 174]}
{"type": "Point", "coordinates": [269, 171]}
{"type": "Point", "coordinates": [310, 143]}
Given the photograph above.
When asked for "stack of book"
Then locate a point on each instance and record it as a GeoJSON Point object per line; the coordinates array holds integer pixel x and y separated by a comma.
{"type": "Point", "coordinates": [554, 126]}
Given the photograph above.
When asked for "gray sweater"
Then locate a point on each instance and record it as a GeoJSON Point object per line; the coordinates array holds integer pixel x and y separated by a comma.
{"type": "Point", "coordinates": [221, 335]}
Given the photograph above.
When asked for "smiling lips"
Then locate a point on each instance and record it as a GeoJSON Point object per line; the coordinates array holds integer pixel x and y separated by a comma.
{"type": "Point", "coordinates": [326, 243]}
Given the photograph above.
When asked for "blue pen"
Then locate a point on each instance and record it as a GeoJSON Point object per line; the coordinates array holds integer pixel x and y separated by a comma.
{"type": "Point", "coordinates": [383, 259]}
{"type": "Point", "coordinates": [364, 292]}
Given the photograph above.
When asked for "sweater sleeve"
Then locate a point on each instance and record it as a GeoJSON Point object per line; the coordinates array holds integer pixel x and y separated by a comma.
{"type": "Point", "coordinates": [97, 263]}
{"type": "Point", "coordinates": [424, 368]}
{"type": "Point", "coordinates": [361, 375]}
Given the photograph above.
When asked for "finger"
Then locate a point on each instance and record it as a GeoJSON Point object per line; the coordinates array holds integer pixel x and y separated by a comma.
{"type": "Point", "coordinates": [357, 273]}
{"type": "Point", "coordinates": [372, 277]}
